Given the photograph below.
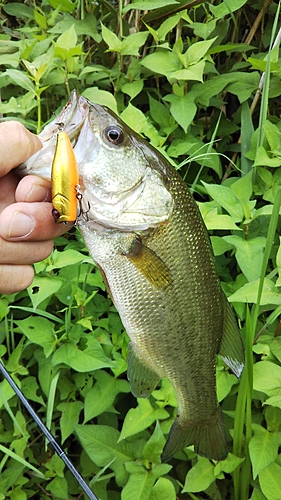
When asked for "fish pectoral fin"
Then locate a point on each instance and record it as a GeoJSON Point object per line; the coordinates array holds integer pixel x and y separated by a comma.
{"type": "Point", "coordinates": [149, 264]}
{"type": "Point", "coordinates": [208, 437]}
{"type": "Point", "coordinates": [231, 348]}
{"type": "Point", "coordinates": [142, 378]}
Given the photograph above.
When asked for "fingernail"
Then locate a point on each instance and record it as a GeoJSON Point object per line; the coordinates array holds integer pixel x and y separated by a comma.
{"type": "Point", "coordinates": [20, 225]}
{"type": "Point", "coordinates": [37, 193]}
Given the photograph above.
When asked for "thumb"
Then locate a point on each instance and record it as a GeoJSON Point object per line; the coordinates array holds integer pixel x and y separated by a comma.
{"type": "Point", "coordinates": [17, 144]}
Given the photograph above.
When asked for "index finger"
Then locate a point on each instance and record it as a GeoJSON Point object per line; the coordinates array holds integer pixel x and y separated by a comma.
{"type": "Point", "coordinates": [17, 144]}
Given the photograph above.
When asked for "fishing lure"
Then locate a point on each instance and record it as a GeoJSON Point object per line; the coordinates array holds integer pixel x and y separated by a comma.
{"type": "Point", "coordinates": [66, 194]}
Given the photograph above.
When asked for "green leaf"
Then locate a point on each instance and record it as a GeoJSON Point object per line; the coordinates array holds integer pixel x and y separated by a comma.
{"type": "Point", "coordinates": [112, 40]}
{"type": "Point", "coordinates": [275, 347]}
{"type": "Point", "coordinates": [257, 495]}
{"type": "Point", "coordinates": [213, 220]}
{"type": "Point", "coordinates": [17, 494]}
{"type": "Point", "coordinates": [21, 460]}
{"type": "Point", "coordinates": [102, 97]}
{"type": "Point", "coordinates": [226, 8]}
{"type": "Point", "coordinates": [70, 416]}
{"type": "Point", "coordinates": [219, 245]}
{"type": "Point", "coordinates": [243, 187]}
{"type": "Point", "coordinates": [267, 378]}
{"type": "Point", "coordinates": [55, 465]}
{"type": "Point", "coordinates": [200, 476]}
{"type": "Point", "coordinates": [4, 308]}
{"type": "Point", "coordinates": [162, 62]}
{"type": "Point", "coordinates": [274, 401]}
{"type": "Point", "coordinates": [163, 489]}
{"type": "Point", "coordinates": [18, 10]}
{"type": "Point", "coordinates": [168, 25]}
{"type": "Point", "coordinates": [102, 445]}
{"type": "Point", "coordinates": [263, 448]}
{"type": "Point", "coordinates": [165, 394]}
{"type": "Point", "coordinates": [58, 487]}
{"type": "Point", "coordinates": [141, 417]}
{"type": "Point", "coordinates": [43, 287]}
{"type": "Point", "coordinates": [19, 78]}
{"type": "Point", "coordinates": [194, 72]}
{"type": "Point", "coordinates": [227, 199]}
{"type": "Point", "coordinates": [247, 130]}
{"type": "Point", "coordinates": [141, 481]}
{"type": "Point", "coordinates": [238, 83]}
{"type": "Point", "coordinates": [132, 88]}
{"type": "Point", "coordinates": [29, 387]}
{"type": "Point", "coordinates": [149, 5]}
{"type": "Point", "coordinates": [103, 394]}
{"type": "Point", "coordinates": [154, 446]}
{"type": "Point", "coordinates": [132, 43]}
{"type": "Point", "coordinates": [68, 39]}
{"type": "Point", "coordinates": [197, 51]}
{"type": "Point", "coordinates": [228, 465]}
{"type": "Point", "coordinates": [68, 257]}
{"type": "Point", "coordinates": [39, 331]}
{"type": "Point", "coordinates": [225, 381]}
{"type": "Point", "coordinates": [248, 293]}
{"type": "Point", "coordinates": [272, 135]}
{"type": "Point", "coordinates": [92, 358]}
{"type": "Point", "coordinates": [10, 60]}
{"type": "Point", "coordinates": [264, 160]}
{"type": "Point", "coordinates": [139, 485]}
{"type": "Point", "coordinates": [245, 86]}
{"type": "Point", "coordinates": [249, 255]}
{"type": "Point", "coordinates": [64, 5]}
{"type": "Point", "coordinates": [270, 481]}
{"type": "Point", "coordinates": [183, 109]}
{"type": "Point", "coordinates": [134, 118]}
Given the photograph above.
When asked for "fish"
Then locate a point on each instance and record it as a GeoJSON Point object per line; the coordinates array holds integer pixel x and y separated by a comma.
{"type": "Point", "coordinates": [144, 230]}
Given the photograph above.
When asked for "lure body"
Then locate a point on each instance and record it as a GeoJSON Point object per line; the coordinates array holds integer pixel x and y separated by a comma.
{"type": "Point", "coordinates": [65, 181]}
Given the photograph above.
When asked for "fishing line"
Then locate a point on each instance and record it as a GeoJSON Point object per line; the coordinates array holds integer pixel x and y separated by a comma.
{"type": "Point", "coordinates": [48, 435]}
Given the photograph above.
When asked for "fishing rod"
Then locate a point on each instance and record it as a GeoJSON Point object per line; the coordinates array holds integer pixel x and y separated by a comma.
{"type": "Point", "coordinates": [87, 490]}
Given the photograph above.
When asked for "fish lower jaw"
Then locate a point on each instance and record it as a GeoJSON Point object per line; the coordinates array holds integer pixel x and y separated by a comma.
{"type": "Point", "coordinates": [117, 220]}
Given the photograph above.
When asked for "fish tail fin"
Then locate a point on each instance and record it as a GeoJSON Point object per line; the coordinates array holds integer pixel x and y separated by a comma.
{"type": "Point", "coordinates": [208, 437]}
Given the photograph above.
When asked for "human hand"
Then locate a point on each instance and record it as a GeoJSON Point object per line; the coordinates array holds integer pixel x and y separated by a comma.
{"type": "Point", "coordinates": [27, 228]}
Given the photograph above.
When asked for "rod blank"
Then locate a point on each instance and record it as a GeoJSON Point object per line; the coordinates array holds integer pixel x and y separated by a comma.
{"type": "Point", "coordinates": [85, 487]}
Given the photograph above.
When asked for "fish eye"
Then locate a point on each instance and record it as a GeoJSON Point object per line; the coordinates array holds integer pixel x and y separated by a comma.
{"type": "Point", "coordinates": [114, 134]}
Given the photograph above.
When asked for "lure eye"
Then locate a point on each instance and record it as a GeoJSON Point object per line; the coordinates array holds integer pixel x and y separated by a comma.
{"type": "Point", "coordinates": [55, 214]}
{"type": "Point", "coordinates": [114, 134]}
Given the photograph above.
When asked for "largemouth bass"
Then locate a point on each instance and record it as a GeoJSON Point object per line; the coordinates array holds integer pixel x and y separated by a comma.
{"type": "Point", "coordinates": [143, 228]}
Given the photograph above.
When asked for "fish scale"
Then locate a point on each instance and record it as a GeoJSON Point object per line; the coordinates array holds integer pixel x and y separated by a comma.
{"type": "Point", "coordinates": [144, 230]}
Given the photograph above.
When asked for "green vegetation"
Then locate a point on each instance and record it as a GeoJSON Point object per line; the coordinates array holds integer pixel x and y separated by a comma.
{"type": "Point", "coordinates": [202, 82]}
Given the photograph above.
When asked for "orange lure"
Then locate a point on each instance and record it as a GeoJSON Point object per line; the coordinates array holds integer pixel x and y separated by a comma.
{"type": "Point", "coordinates": [65, 181]}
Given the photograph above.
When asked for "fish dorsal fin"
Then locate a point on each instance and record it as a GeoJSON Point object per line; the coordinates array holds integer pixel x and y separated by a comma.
{"type": "Point", "coordinates": [231, 348]}
{"type": "Point", "coordinates": [149, 264]}
{"type": "Point", "coordinates": [142, 378]}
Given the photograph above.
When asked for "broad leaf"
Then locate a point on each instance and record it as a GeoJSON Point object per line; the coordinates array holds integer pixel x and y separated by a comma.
{"type": "Point", "coordinates": [92, 358]}
{"type": "Point", "coordinates": [249, 292]}
{"type": "Point", "coordinates": [141, 417]}
{"type": "Point", "coordinates": [270, 481]}
{"type": "Point", "coordinates": [263, 448]}
{"type": "Point", "coordinates": [227, 199]}
{"type": "Point", "coordinates": [39, 331]}
{"type": "Point", "coordinates": [200, 476]}
{"type": "Point", "coordinates": [249, 255]}
{"type": "Point", "coordinates": [267, 378]}
{"type": "Point", "coordinates": [103, 394]}
{"type": "Point", "coordinates": [101, 444]}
